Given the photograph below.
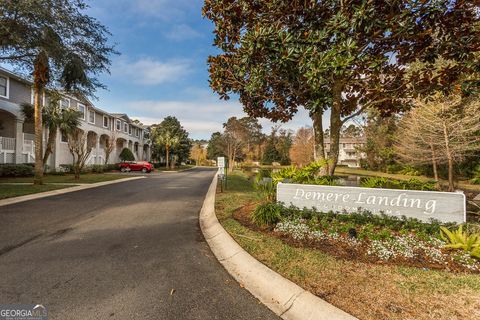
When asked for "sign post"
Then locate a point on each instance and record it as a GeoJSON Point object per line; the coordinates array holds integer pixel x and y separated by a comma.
{"type": "Point", "coordinates": [221, 171]}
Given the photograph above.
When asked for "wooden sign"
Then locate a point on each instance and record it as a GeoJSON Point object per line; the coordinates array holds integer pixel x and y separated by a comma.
{"type": "Point", "coordinates": [423, 205]}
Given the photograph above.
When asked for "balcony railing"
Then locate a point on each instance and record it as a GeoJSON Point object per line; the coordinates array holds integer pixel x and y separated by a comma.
{"type": "Point", "coordinates": [7, 143]}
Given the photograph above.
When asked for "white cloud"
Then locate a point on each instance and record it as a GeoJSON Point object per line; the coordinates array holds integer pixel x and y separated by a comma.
{"type": "Point", "coordinates": [148, 71]}
{"type": "Point", "coordinates": [182, 32]}
{"type": "Point", "coordinates": [202, 113]}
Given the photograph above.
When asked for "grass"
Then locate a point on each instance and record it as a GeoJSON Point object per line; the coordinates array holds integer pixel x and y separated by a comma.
{"type": "Point", "coordinates": [366, 291]}
{"type": "Point", "coordinates": [10, 191]}
{"type": "Point", "coordinates": [68, 178]}
{"type": "Point", "coordinates": [362, 172]}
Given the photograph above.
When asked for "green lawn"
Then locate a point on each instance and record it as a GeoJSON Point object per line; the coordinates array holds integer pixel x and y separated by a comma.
{"type": "Point", "coordinates": [368, 291]}
{"type": "Point", "coordinates": [68, 178]}
{"type": "Point", "coordinates": [9, 191]}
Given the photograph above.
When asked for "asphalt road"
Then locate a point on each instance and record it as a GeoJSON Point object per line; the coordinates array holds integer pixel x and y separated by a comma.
{"type": "Point", "coordinates": [131, 250]}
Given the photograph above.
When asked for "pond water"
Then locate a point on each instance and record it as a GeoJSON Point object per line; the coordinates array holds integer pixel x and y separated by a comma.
{"type": "Point", "coordinates": [343, 180]}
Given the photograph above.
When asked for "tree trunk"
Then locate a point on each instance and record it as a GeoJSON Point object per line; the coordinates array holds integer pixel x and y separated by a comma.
{"type": "Point", "coordinates": [335, 128]}
{"type": "Point", "coordinates": [52, 136]}
{"type": "Point", "coordinates": [317, 118]}
{"type": "Point", "coordinates": [167, 156]}
{"type": "Point", "coordinates": [40, 79]}
{"type": "Point", "coordinates": [435, 167]}
{"type": "Point", "coordinates": [451, 186]}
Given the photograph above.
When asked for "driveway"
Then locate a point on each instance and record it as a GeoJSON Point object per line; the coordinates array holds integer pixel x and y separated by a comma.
{"type": "Point", "coordinates": [130, 250]}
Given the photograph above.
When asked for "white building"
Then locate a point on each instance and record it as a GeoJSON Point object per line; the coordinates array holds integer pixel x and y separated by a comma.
{"type": "Point", "coordinates": [349, 153]}
{"type": "Point", "coordinates": [17, 136]}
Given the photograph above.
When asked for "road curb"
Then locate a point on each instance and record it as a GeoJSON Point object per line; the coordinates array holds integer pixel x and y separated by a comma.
{"type": "Point", "coordinates": [9, 201]}
{"type": "Point", "coordinates": [282, 296]}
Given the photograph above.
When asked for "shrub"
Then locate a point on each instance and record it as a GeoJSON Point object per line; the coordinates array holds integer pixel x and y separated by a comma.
{"type": "Point", "coordinates": [126, 155]}
{"type": "Point", "coordinates": [460, 239]}
{"type": "Point", "coordinates": [476, 175]}
{"type": "Point", "coordinates": [97, 168]}
{"type": "Point", "coordinates": [67, 168]}
{"type": "Point", "coordinates": [410, 171]}
{"type": "Point", "coordinates": [411, 184]}
{"type": "Point", "coordinates": [307, 174]}
{"type": "Point", "coordinates": [16, 170]}
{"type": "Point", "coordinates": [373, 182]}
{"type": "Point", "coordinates": [265, 187]}
{"type": "Point", "coordinates": [267, 214]}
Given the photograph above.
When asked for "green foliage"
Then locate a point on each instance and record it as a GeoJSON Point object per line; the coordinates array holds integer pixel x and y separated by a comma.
{"type": "Point", "coordinates": [126, 155]}
{"type": "Point", "coordinates": [278, 147]}
{"type": "Point", "coordinates": [308, 175]}
{"type": "Point", "coordinates": [410, 171]}
{"type": "Point", "coordinates": [172, 134]}
{"type": "Point", "coordinates": [16, 170]}
{"type": "Point", "coordinates": [411, 184]}
{"type": "Point", "coordinates": [476, 177]}
{"type": "Point", "coordinates": [215, 146]}
{"type": "Point", "coordinates": [265, 187]}
{"type": "Point", "coordinates": [267, 214]}
{"type": "Point", "coordinates": [374, 182]}
{"type": "Point", "coordinates": [460, 239]}
{"type": "Point", "coordinates": [73, 45]}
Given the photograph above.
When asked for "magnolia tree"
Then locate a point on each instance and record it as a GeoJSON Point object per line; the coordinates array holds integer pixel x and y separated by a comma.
{"type": "Point", "coordinates": [440, 130]}
{"type": "Point", "coordinates": [337, 55]}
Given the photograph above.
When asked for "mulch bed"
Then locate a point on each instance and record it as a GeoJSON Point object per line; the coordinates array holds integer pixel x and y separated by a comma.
{"type": "Point", "coordinates": [342, 250]}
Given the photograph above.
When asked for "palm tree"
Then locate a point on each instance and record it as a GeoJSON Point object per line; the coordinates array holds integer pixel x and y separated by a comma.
{"type": "Point", "coordinates": [54, 118]}
{"type": "Point", "coordinates": [168, 140]}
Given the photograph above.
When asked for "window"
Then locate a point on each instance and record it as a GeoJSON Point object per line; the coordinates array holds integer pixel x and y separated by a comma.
{"type": "Point", "coordinates": [105, 121]}
{"type": "Point", "coordinates": [81, 109]}
{"type": "Point", "coordinates": [119, 125]}
{"type": "Point", "coordinates": [64, 137]}
{"type": "Point", "coordinates": [65, 103]}
{"type": "Point", "coordinates": [125, 127]}
{"type": "Point", "coordinates": [137, 132]}
{"type": "Point", "coordinates": [91, 116]}
{"type": "Point", "coordinates": [130, 130]}
{"type": "Point", "coordinates": [4, 87]}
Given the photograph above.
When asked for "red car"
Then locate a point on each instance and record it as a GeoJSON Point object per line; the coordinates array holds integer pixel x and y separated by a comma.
{"type": "Point", "coordinates": [143, 166]}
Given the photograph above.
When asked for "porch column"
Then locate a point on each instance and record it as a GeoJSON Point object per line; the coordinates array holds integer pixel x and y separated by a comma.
{"type": "Point", "coordinates": [97, 158]}
{"type": "Point", "coordinates": [19, 141]}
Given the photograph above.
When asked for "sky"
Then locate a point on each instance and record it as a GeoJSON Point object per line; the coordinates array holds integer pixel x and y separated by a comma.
{"type": "Point", "coordinates": [162, 69]}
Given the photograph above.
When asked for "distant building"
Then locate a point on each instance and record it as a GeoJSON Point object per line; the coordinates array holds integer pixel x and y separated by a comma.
{"type": "Point", "coordinates": [349, 153]}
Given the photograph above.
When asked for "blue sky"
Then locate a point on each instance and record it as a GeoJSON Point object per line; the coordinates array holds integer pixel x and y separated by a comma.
{"type": "Point", "coordinates": [162, 70]}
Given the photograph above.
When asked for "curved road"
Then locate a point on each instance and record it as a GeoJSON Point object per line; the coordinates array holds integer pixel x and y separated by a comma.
{"type": "Point", "coordinates": [131, 250]}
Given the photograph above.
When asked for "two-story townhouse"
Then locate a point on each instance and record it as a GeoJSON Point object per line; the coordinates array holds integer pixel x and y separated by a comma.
{"type": "Point", "coordinates": [349, 153]}
{"type": "Point", "coordinates": [16, 135]}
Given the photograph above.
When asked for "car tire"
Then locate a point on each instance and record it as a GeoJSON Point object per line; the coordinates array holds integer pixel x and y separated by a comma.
{"type": "Point", "coordinates": [123, 169]}
{"type": "Point", "coordinates": [144, 170]}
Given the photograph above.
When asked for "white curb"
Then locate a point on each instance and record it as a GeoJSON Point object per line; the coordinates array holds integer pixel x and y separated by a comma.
{"type": "Point", "coordinates": [282, 296]}
{"type": "Point", "coordinates": [8, 201]}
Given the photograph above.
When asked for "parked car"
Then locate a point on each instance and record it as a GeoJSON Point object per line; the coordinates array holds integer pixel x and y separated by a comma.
{"type": "Point", "coordinates": [143, 166]}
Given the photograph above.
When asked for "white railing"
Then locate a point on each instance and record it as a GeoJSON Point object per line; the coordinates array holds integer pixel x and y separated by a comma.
{"type": "Point", "coordinates": [29, 136]}
{"type": "Point", "coordinates": [7, 143]}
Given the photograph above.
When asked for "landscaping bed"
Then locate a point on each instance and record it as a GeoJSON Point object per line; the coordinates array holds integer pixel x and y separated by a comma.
{"type": "Point", "coordinates": [361, 275]}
